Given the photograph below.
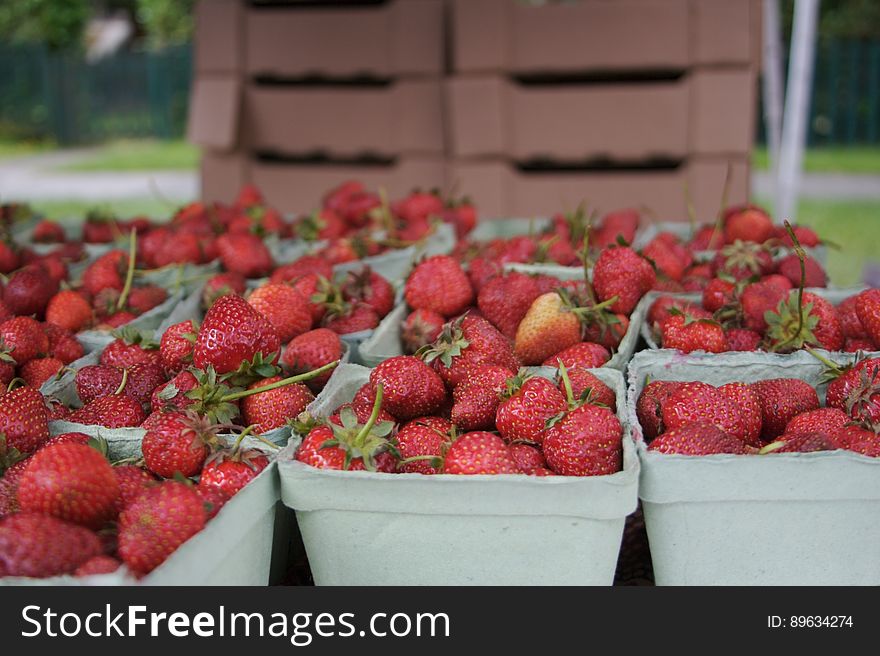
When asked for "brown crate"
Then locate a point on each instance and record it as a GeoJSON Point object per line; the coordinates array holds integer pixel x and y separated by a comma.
{"type": "Point", "coordinates": [222, 175]}
{"type": "Point", "coordinates": [403, 118]}
{"type": "Point", "coordinates": [214, 111]}
{"type": "Point", "coordinates": [501, 190]}
{"type": "Point", "coordinates": [705, 112]}
{"type": "Point", "coordinates": [217, 41]}
{"type": "Point", "coordinates": [299, 187]}
{"type": "Point", "coordinates": [593, 35]}
{"type": "Point", "coordinates": [402, 37]}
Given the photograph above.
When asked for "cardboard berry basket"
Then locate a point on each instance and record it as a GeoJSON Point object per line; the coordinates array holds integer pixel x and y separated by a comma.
{"type": "Point", "coordinates": [363, 528]}
{"type": "Point", "coordinates": [506, 228]}
{"type": "Point", "coordinates": [236, 547]}
{"type": "Point", "coordinates": [835, 296]}
{"type": "Point", "coordinates": [776, 519]}
{"type": "Point", "coordinates": [385, 341]}
{"type": "Point", "coordinates": [682, 230]}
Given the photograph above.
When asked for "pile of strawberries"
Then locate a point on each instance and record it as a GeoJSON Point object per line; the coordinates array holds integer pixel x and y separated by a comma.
{"type": "Point", "coordinates": [470, 418]}
{"type": "Point", "coordinates": [780, 415]}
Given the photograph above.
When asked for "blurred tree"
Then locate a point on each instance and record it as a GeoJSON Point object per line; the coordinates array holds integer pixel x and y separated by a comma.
{"type": "Point", "coordinates": [57, 24]}
{"type": "Point", "coordinates": [840, 18]}
{"type": "Point", "coordinates": [166, 22]}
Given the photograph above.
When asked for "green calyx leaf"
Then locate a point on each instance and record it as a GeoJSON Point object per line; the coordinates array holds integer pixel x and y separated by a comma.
{"type": "Point", "coordinates": [785, 331]}
{"type": "Point", "coordinates": [132, 336]}
{"type": "Point", "coordinates": [253, 370]}
{"type": "Point", "coordinates": [450, 344]}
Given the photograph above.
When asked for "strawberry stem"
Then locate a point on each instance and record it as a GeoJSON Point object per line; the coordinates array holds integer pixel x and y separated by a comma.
{"type": "Point", "coordinates": [566, 381]}
{"type": "Point", "coordinates": [832, 367]}
{"type": "Point", "coordinates": [123, 383]}
{"type": "Point", "coordinates": [799, 251]}
{"type": "Point", "coordinates": [15, 382]}
{"type": "Point", "coordinates": [309, 375]}
{"type": "Point", "coordinates": [374, 415]}
{"type": "Point", "coordinates": [247, 431]}
{"type": "Point", "coordinates": [129, 274]}
{"type": "Point", "coordinates": [770, 448]}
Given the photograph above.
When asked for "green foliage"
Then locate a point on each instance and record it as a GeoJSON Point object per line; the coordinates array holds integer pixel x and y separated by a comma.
{"type": "Point", "coordinates": [839, 18]}
{"type": "Point", "coordinates": [166, 22]}
{"type": "Point", "coordinates": [59, 25]}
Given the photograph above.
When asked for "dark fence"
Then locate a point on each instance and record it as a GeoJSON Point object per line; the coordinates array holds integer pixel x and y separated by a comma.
{"type": "Point", "coordinates": [62, 96]}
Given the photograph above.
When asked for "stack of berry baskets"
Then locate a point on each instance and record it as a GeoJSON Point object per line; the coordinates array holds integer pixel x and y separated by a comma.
{"type": "Point", "coordinates": [758, 471]}
{"type": "Point", "coordinates": [397, 499]}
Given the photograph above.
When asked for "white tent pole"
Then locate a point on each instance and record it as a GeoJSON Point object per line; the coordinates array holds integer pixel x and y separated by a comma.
{"type": "Point", "coordinates": [797, 106]}
{"type": "Point", "coordinates": [772, 82]}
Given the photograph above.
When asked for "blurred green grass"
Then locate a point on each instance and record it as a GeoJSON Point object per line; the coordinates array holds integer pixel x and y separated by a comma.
{"type": "Point", "coordinates": [851, 159]}
{"type": "Point", "coordinates": [10, 149]}
{"type": "Point", "coordinates": [71, 211]}
{"type": "Point", "coordinates": [140, 155]}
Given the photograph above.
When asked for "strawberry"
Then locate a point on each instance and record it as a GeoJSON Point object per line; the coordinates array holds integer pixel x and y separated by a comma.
{"type": "Point", "coordinates": [481, 271]}
{"type": "Point", "coordinates": [663, 306]}
{"type": "Point", "coordinates": [55, 409]}
{"type": "Point", "coordinates": [585, 385]}
{"type": "Point", "coordinates": [36, 372]}
{"type": "Point", "coordinates": [229, 470]}
{"type": "Point", "coordinates": [717, 294]}
{"type": "Point", "coordinates": [314, 289]}
{"type": "Point", "coordinates": [621, 272]}
{"type": "Point", "coordinates": [143, 379]}
{"type": "Point", "coordinates": [221, 284]}
{"type": "Point", "coordinates": [858, 439]}
{"type": "Point", "coordinates": [425, 436]}
{"type": "Point", "coordinates": [819, 326]}
{"type": "Point", "coordinates": [24, 424]}
{"type": "Point", "coordinates": [790, 267]}
{"type": "Point", "coordinates": [411, 387]}
{"type": "Point", "coordinates": [616, 225]}
{"type": "Point", "coordinates": [476, 398]}
{"type": "Point", "coordinates": [805, 442]}
{"type": "Point", "coordinates": [132, 480]}
{"type": "Point", "coordinates": [116, 320]}
{"type": "Point", "coordinates": [323, 224]}
{"type": "Point", "coordinates": [528, 458]}
{"type": "Point", "coordinates": [24, 338]}
{"type": "Point", "coordinates": [232, 333]}
{"type": "Point", "coordinates": [670, 257]}
{"type": "Point", "coordinates": [70, 310]}
{"type": "Point", "coordinates": [849, 319]}
{"type": "Point", "coordinates": [29, 291]}
{"type": "Point", "coordinates": [806, 236]}
{"type": "Point", "coordinates": [274, 408]}
{"type": "Point", "coordinates": [173, 394]}
{"type": "Point", "coordinates": [285, 308]}
{"type": "Point", "coordinates": [113, 411]}
{"type": "Point", "coordinates": [176, 346]}
{"type": "Point", "coordinates": [757, 299]}
{"type": "Point", "coordinates": [107, 272]}
{"type": "Point", "coordinates": [438, 283]}
{"type": "Point", "coordinates": [351, 446]}
{"type": "Point", "coordinates": [867, 306]}
{"type": "Point", "coordinates": [741, 260]}
{"type": "Point", "coordinates": [853, 389]}
{"type": "Point", "coordinates": [310, 351]}
{"type": "Point", "coordinates": [745, 399]}
{"type": "Point", "coordinates": [420, 328]}
{"type": "Point", "coordinates": [156, 523]}
{"type": "Point", "coordinates": [369, 288]}
{"type": "Point", "coordinates": [40, 546]}
{"type": "Point", "coordinates": [48, 232]}
{"type": "Point", "coordinates": [585, 442]}
{"type": "Point", "coordinates": [9, 257]}
{"type": "Point", "coordinates": [130, 348]}
{"type": "Point", "coordinates": [782, 399]}
{"type": "Point", "coordinates": [505, 300]}
{"type": "Point", "coordinates": [304, 266]}
{"type": "Point", "coordinates": [697, 402]}
{"type": "Point", "coordinates": [688, 334]}
{"type": "Point", "coordinates": [245, 254]}
{"type": "Point", "coordinates": [479, 452]}
{"type": "Point", "coordinates": [854, 344]}
{"type": "Point", "coordinates": [465, 344]}
{"type": "Point", "coordinates": [177, 442]}
{"type": "Point", "coordinates": [73, 482]}
{"type": "Point", "coordinates": [213, 499]}
{"type": "Point", "coordinates": [145, 297]}
{"type": "Point", "coordinates": [529, 404]}
{"type": "Point", "coordinates": [62, 344]}
{"type": "Point", "coordinates": [742, 339]}
{"type": "Point", "coordinates": [350, 319]}
{"type": "Point", "coordinates": [548, 327]}
{"type": "Point", "coordinates": [98, 565]}
{"type": "Point", "coordinates": [362, 410]}
{"type": "Point", "coordinates": [822, 420]}
{"type": "Point", "coordinates": [94, 381]}
{"type": "Point", "coordinates": [748, 223]}
{"type": "Point", "coordinates": [700, 439]}
{"type": "Point", "coordinates": [585, 354]}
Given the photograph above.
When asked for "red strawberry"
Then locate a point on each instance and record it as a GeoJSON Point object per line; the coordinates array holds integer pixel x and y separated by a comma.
{"type": "Point", "coordinates": [477, 397]}
{"type": "Point", "coordinates": [623, 273]}
{"type": "Point", "coordinates": [176, 346]}
{"type": "Point", "coordinates": [221, 284]}
{"type": "Point", "coordinates": [481, 271]}
{"type": "Point", "coordinates": [466, 344]}
{"type": "Point", "coordinates": [586, 384]}
{"type": "Point", "coordinates": [116, 320]}
{"type": "Point", "coordinates": [687, 334]}
{"type": "Point", "coordinates": [284, 307]}
{"type": "Point", "coordinates": [311, 351]}
{"type": "Point", "coordinates": [661, 308]}
{"type": "Point", "coordinates": [143, 379]}
{"type": "Point", "coordinates": [98, 565]}
{"type": "Point", "coordinates": [157, 523]}
{"type": "Point", "coordinates": [144, 298]}
{"type": "Point", "coordinates": [177, 442]}
{"type": "Point", "coordinates": [479, 453]}
{"type": "Point", "coordinates": [808, 442]}
{"type": "Point", "coordinates": [505, 300]}
{"type": "Point", "coordinates": [113, 411]}
{"type": "Point", "coordinates": [530, 403]}
{"type": "Point", "coordinates": [742, 260]}
{"type": "Point", "coordinates": [697, 402]}
{"type": "Point", "coordinates": [748, 223]}
{"type": "Point", "coordinates": [28, 291]}
{"type": "Point", "coordinates": [24, 338]}
{"type": "Point", "coordinates": [822, 420]}
{"type": "Point", "coordinates": [585, 442]}
{"type": "Point", "coordinates": [24, 423]}
{"type": "Point", "coordinates": [782, 399]}
{"type": "Point", "coordinates": [233, 332]}
{"type": "Point", "coordinates": [304, 266]}
{"type": "Point", "coordinates": [370, 288]}
{"type": "Point", "coordinates": [439, 284]}
{"type": "Point", "coordinates": [244, 253]}
{"type": "Point", "coordinates": [697, 440]}
{"type": "Point", "coordinates": [742, 339]}
{"type": "Point", "coordinates": [130, 348]}
{"type": "Point", "coordinates": [133, 480]}
{"type": "Point", "coordinates": [107, 272]}
{"type": "Point", "coordinates": [230, 470]}
{"type": "Point", "coordinates": [849, 318]}
{"type": "Point", "coordinates": [425, 436]}
{"type": "Point", "coordinates": [528, 458]}
{"type": "Point", "coordinates": [717, 294]}
{"type": "Point", "coordinates": [420, 328]}
{"type": "Point", "coordinates": [94, 381]}
{"type": "Point", "coordinates": [867, 306]}
{"type": "Point", "coordinates": [313, 288]}
{"type": "Point", "coordinates": [73, 482]}
{"type": "Point", "coordinates": [757, 299]}
{"type": "Point", "coordinates": [173, 394]}
{"type": "Point", "coordinates": [213, 499]}
{"type": "Point", "coordinates": [745, 399]}
{"type": "Point", "coordinates": [858, 439]}
{"type": "Point", "coordinates": [62, 344]}
{"type": "Point", "coordinates": [670, 257]}
{"type": "Point", "coordinates": [274, 408]}
{"type": "Point", "coordinates": [70, 310]}
{"type": "Point", "coordinates": [48, 232]}
{"type": "Point", "coordinates": [548, 327]}
{"type": "Point", "coordinates": [36, 372]}
{"type": "Point", "coordinates": [9, 258]}
{"type": "Point", "coordinates": [790, 267]}
{"type": "Point", "coordinates": [411, 387]}
{"type": "Point", "coordinates": [40, 546]}
{"type": "Point", "coordinates": [585, 354]}
{"type": "Point", "coordinates": [852, 345]}
{"type": "Point", "coordinates": [820, 326]}
{"type": "Point", "coordinates": [351, 319]}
